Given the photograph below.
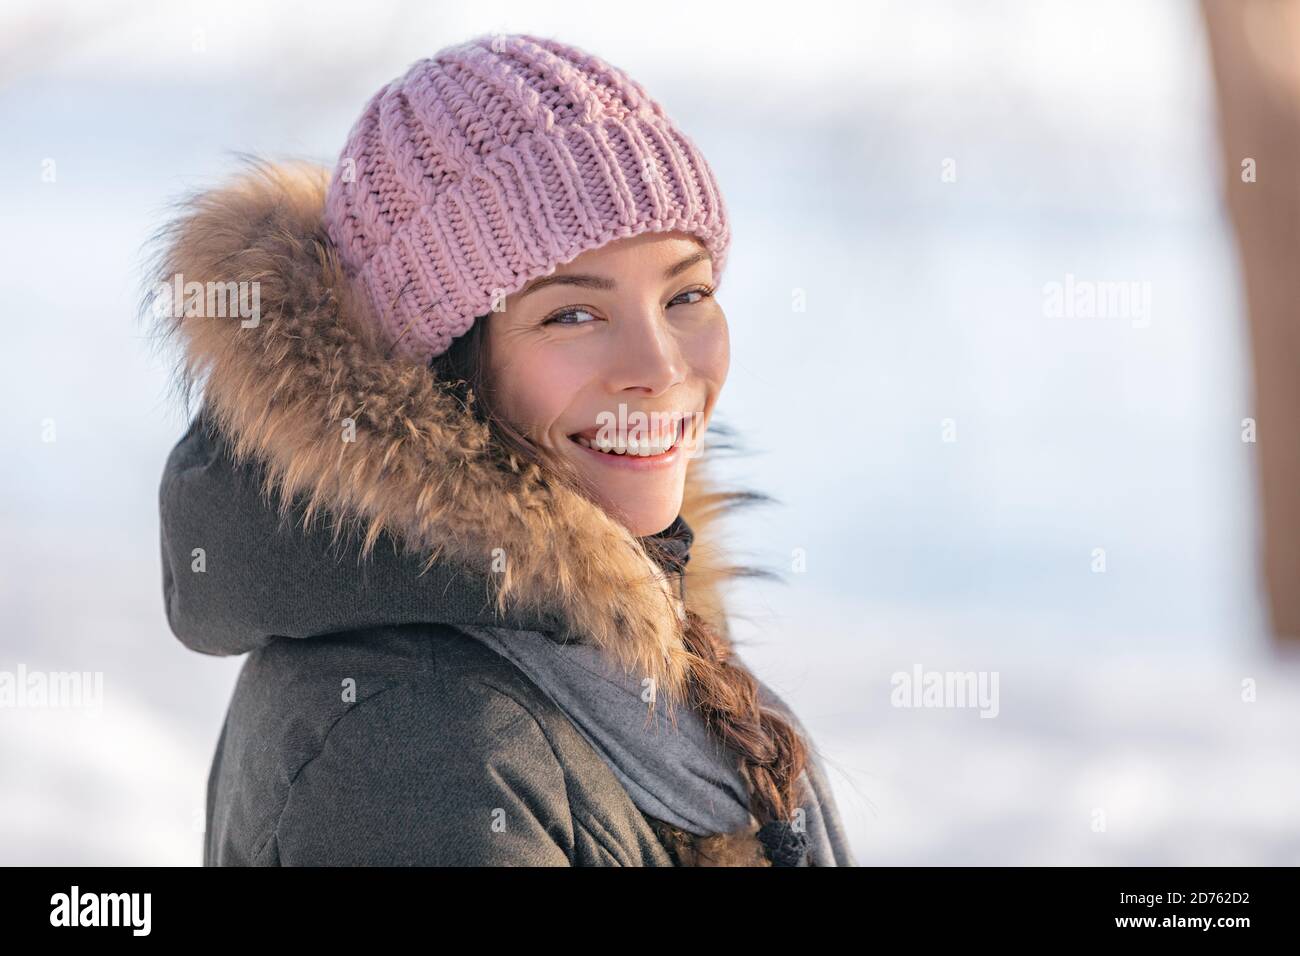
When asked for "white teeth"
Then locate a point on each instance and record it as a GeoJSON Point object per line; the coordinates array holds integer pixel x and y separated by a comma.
{"type": "Point", "coordinates": [646, 447]}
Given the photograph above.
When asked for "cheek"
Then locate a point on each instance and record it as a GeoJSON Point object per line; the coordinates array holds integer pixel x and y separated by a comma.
{"type": "Point", "coordinates": [709, 352]}
{"type": "Point", "coordinates": [533, 388]}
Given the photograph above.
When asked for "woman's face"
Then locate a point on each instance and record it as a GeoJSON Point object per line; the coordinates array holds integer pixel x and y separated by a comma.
{"type": "Point", "coordinates": [624, 349]}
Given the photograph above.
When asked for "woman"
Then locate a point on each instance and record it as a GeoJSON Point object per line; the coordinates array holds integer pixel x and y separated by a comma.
{"type": "Point", "coordinates": [445, 483]}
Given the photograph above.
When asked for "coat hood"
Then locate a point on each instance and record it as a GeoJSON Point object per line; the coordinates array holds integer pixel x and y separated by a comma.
{"type": "Point", "coordinates": [274, 525]}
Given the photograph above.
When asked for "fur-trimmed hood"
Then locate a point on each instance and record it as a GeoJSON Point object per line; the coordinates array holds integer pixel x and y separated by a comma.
{"type": "Point", "coordinates": [355, 446]}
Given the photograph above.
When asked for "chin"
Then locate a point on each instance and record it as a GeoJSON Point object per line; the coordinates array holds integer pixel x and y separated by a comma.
{"type": "Point", "coordinates": [651, 525]}
{"type": "Point", "coordinates": [642, 516]}
{"type": "Point", "coordinates": [644, 503]}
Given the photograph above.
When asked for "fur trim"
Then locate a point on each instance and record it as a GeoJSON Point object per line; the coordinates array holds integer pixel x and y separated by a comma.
{"type": "Point", "coordinates": [420, 466]}
{"type": "Point", "coordinates": [741, 848]}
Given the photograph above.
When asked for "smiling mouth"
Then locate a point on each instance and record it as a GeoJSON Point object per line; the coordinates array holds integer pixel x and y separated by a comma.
{"type": "Point", "coordinates": [634, 445]}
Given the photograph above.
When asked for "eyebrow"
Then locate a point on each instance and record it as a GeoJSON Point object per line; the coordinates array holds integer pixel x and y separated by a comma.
{"type": "Point", "coordinates": [604, 284]}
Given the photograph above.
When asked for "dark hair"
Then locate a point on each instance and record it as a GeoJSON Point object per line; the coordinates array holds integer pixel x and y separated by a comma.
{"type": "Point", "coordinates": [720, 687]}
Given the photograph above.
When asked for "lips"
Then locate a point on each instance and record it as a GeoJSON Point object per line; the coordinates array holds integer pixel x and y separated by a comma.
{"type": "Point", "coordinates": [642, 441]}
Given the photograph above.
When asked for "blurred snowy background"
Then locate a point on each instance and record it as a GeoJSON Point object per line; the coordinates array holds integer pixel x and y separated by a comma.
{"type": "Point", "coordinates": [1082, 139]}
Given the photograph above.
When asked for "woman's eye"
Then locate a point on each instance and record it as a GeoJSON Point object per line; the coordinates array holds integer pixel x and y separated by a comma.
{"type": "Point", "coordinates": [701, 295]}
{"type": "Point", "coordinates": [558, 316]}
{"type": "Point", "coordinates": [573, 315]}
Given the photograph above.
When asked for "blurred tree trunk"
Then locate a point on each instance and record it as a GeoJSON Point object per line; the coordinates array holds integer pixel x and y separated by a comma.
{"type": "Point", "coordinates": [1255, 52]}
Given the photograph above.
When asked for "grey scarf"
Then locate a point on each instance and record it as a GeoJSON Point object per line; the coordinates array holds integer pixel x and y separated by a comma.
{"type": "Point", "coordinates": [679, 774]}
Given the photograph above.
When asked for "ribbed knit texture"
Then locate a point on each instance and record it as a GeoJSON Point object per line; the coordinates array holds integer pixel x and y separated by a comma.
{"type": "Point", "coordinates": [495, 161]}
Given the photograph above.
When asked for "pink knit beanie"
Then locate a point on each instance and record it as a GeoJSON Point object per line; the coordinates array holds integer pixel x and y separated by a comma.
{"type": "Point", "coordinates": [492, 163]}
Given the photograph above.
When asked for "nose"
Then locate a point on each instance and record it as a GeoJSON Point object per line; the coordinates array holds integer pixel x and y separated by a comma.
{"type": "Point", "coordinates": [650, 357]}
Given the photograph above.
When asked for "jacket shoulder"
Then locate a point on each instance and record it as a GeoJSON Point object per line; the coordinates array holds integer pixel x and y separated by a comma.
{"type": "Point", "coordinates": [448, 755]}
